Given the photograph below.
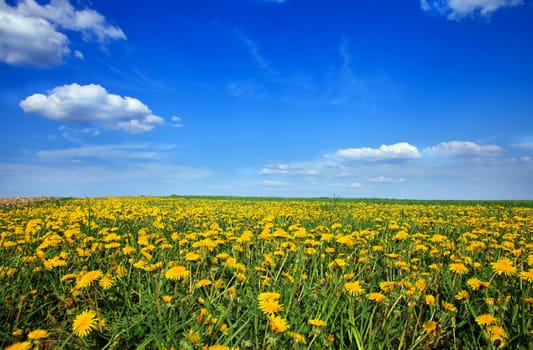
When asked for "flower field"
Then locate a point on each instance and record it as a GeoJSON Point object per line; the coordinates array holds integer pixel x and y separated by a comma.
{"type": "Point", "coordinates": [202, 273]}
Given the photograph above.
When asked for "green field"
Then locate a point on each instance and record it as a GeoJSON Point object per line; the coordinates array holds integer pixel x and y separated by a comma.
{"type": "Point", "coordinates": [266, 273]}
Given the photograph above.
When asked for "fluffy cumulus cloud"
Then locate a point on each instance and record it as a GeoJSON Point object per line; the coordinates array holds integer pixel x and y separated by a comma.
{"type": "Point", "coordinates": [395, 152]}
{"type": "Point", "coordinates": [463, 149]}
{"type": "Point", "coordinates": [458, 9]}
{"type": "Point", "coordinates": [33, 34]}
{"type": "Point", "coordinates": [92, 104]}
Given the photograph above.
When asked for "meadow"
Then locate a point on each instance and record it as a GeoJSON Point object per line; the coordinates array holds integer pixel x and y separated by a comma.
{"type": "Point", "coordinates": [249, 273]}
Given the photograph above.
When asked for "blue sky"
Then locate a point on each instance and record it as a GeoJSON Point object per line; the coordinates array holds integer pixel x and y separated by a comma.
{"type": "Point", "coordinates": [429, 99]}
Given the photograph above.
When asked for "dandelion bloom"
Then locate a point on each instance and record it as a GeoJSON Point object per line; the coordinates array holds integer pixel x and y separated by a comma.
{"type": "Point", "coordinates": [269, 295]}
{"type": "Point", "coordinates": [84, 323]}
{"type": "Point", "coordinates": [475, 283]}
{"type": "Point", "coordinates": [497, 333]}
{"type": "Point", "coordinates": [166, 298]}
{"type": "Point", "coordinates": [217, 347]}
{"type": "Point", "coordinates": [203, 283]}
{"type": "Point", "coordinates": [503, 266]}
{"type": "Point", "coordinates": [485, 319]}
{"type": "Point", "coordinates": [298, 338]}
{"type": "Point", "coordinates": [387, 286]}
{"type": "Point", "coordinates": [88, 278]}
{"type": "Point", "coordinates": [177, 273]}
{"type": "Point", "coordinates": [317, 322]}
{"type": "Point", "coordinates": [430, 299]}
{"type": "Point", "coordinates": [19, 346]}
{"type": "Point", "coordinates": [278, 324]}
{"type": "Point", "coordinates": [458, 268]}
{"type": "Point", "coordinates": [354, 288]}
{"type": "Point", "coordinates": [377, 297]}
{"type": "Point", "coordinates": [38, 334]}
{"type": "Point", "coordinates": [449, 306]}
{"type": "Point", "coordinates": [431, 327]}
{"type": "Point", "coordinates": [192, 256]}
{"type": "Point", "coordinates": [527, 275]}
{"type": "Point", "coordinates": [463, 294]}
{"type": "Point", "coordinates": [106, 282]}
{"type": "Point", "coordinates": [270, 306]}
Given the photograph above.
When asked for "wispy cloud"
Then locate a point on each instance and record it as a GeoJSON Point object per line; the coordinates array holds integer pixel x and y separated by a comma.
{"type": "Point", "coordinates": [35, 34]}
{"type": "Point", "coordinates": [385, 179]}
{"type": "Point", "coordinates": [107, 152]}
{"type": "Point", "coordinates": [285, 169]}
{"type": "Point", "coordinates": [274, 183]}
{"type": "Point", "coordinates": [459, 9]}
{"type": "Point", "coordinates": [463, 149]}
{"type": "Point", "coordinates": [343, 85]}
{"type": "Point", "coordinates": [92, 104]}
{"type": "Point", "coordinates": [254, 51]}
{"type": "Point", "coordinates": [528, 146]}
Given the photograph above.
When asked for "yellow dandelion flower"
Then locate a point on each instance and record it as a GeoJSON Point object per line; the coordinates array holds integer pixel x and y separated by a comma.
{"type": "Point", "coordinates": [431, 327]}
{"type": "Point", "coordinates": [106, 282]}
{"type": "Point", "coordinates": [192, 256]}
{"type": "Point", "coordinates": [278, 324]}
{"type": "Point", "coordinates": [216, 347]}
{"type": "Point", "coordinates": [298, 338]}
{"type": "Point", "coordinates": [449, 306]}
{"type": "Point", "coordinates": [38, 334]}
{"type": "Point", "coordinates": [240, 276]}
{"type": "Point", "coordinates": [503, 266]}
{"type": "Point", "coordinates": [458, 268]}
{"type": "Point", "coordinates": [177, 273]}
{"type": "Point", "coordinates": [354, 288]}
{"type": "Point", "coordinates": [17, 333]}
{"type": "Point", "coordinates": [203, 283]}
{"type": "Point", "coordinates": [166, 298]}
{"type": "Point", "coordinates": [376, 297]}
{"type": "Point", "coordinates": [84, 323]}
{"type": "Point", "coordinates": [421, 284]}
{"type": "Point", "coordinates": [19, 346]}
{"type": "Point", "coordinates": [68, 276]}
{"type": "Point", "coordinates": [317, 322]}
{"type": "Point", "coordinates": [475, 283]}
{"type": "Point", "coordinates": [497, 333]}
{"type": "Point", "coordinates": [527, 275]}
{"type": "Point", "coordinates": [269, 295]}
{"type": "Point", "coordinates": [461, 295]}
{"type": "Point", "coordinates": [88, 278]}
{"type": "Point", "coordinates": [485, 320]}
{"type": "Point", "coordinates": [270, 306]}
{"type": "Point", "coordinates": [387, 286]}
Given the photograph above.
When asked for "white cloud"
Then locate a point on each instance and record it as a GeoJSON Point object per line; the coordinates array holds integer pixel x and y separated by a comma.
{"type": "Point", "coordinates": [92, 104]}
{"type": "Point", "coordinates": [176, 122]}
{"type": "Point", "coordinates": [424, 5]}
{"type": "Point", "coordinates": [274, 183]}
{"type": "Point", "coordinates": [383, 179]}
{"type": "Point", "coordinates": [397, 151]}
{"type": "Point", "coordinates": [32, 34]}
{"type": "Point", "coordinates": [458, 9]}
{"type": "Point", "coordinates": [285, 169]}
{"type": "Point", "coordinates": [118, 151]}
{"type": "Point", "coordinates": [356, 185]}
{"type": "Point", "coordinates": [30, 40]}
{"type": "Point", "coordinates": [463, 149]}
{"type": "Point", "coordinates": [528, 146]}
